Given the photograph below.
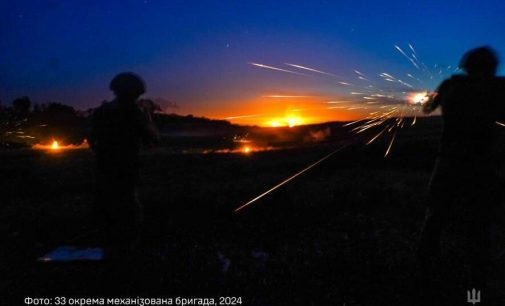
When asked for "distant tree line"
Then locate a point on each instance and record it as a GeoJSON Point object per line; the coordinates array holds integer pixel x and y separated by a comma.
{"type": "Point", "coordinates": [26, 123]}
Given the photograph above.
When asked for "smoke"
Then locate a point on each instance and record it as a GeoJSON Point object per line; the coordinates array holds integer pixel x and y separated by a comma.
{"type": "Point", "coordinates": [318, 135]}
{"type": "Point", "coordinates": [149, 106]}
{"type": "Point", "coordinates": [166, 105]}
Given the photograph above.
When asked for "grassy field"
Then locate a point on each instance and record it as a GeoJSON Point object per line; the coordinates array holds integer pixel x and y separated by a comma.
{"type": "Point", "coordinates": [342, 234]}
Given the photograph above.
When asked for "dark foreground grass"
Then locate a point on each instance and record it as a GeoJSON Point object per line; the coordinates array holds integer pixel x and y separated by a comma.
{"type": "Point", "coordinates": [342, 234]}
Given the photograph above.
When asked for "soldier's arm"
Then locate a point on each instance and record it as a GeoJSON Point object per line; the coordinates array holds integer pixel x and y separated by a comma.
{"type": "Point", "coordinates": [437, 98]}
{"type": "Point", "coordinates": [93, 136]}
{"type": "Point", "coordinates": [148, 130]}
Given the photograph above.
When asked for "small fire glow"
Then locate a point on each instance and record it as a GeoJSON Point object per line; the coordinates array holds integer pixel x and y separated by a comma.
{"type": "Point", "coordinates": [245, 150]}
{"type": "Point", "coordinates": [55, 146]}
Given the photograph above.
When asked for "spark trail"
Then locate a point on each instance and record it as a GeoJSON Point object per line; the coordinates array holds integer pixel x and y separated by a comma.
{"type": "Point", "coordinates": [391, 108]}
{"type": "Point", "coordinates": [289, 179]}
{"type": "Point", "coordinates": [277, 69]}
{"type": "Point", "coordinates": [389, 98]}
{"type": "Point", "coordinates": [311, 69]}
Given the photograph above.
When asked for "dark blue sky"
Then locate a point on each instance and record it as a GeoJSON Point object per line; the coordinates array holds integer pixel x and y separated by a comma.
{"type": "Point", "coordinates": [197, 52]}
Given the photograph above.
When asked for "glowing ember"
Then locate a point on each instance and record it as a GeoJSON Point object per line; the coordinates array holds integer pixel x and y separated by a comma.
{"type": "Point", "coordinates": [245, 149]}
{"type": "Point", "coordinates": [55, 145]}
{"type": "Point", "coordinates": [241, 139]}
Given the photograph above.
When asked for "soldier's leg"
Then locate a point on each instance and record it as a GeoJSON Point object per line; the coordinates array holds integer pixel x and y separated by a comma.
{"type": "Point", "coordinates": [484, 213]}
{"type": "Point", "coordinates": [123, 249]}
{"type": "Point", "coordinates": [478, 245]}
{"type": "Point", "coordinates": [124, 224]}
{"type": "Point", "coordinates": [436, 219]}
{"type": "Point", "coordinates": [442, 195]}
{"type": "Point", "coordinates": [102, 216]}
{"type": "Point", "coordinates": [106, 214]}
{"type": "Point", "coordinates": [429, 246]}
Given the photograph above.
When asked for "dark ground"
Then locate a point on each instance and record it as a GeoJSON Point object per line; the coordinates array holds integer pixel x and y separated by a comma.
{"type": "Point", "coordinates": [342, 234]}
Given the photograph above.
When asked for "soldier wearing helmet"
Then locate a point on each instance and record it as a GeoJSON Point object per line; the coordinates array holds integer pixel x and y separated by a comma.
{"type": "Point", "coordinates": [465, 177]}
{"type": "Point", "coordinates": [119, 130]}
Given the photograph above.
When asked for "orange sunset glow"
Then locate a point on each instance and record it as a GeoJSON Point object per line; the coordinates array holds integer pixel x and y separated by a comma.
{"type": "Point", "coordinates": [288, 111]}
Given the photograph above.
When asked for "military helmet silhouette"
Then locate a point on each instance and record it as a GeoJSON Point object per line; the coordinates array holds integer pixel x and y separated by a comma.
{"type": "Point", "coordinates": [480, 61]}
{"type": "Point", "coordinates": [127, 83]}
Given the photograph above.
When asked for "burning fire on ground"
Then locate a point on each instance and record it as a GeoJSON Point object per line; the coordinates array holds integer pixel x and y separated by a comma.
{"type": "Point", "coordinates": [245, 149]}
{"type": "Point", "coordinates": [56, 146]}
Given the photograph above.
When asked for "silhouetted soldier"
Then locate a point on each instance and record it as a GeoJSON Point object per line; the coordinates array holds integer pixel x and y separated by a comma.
{"type": "Point", "coordinates": [119, 129]}
{"type": "Point", "coordinates": [466, 172]}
